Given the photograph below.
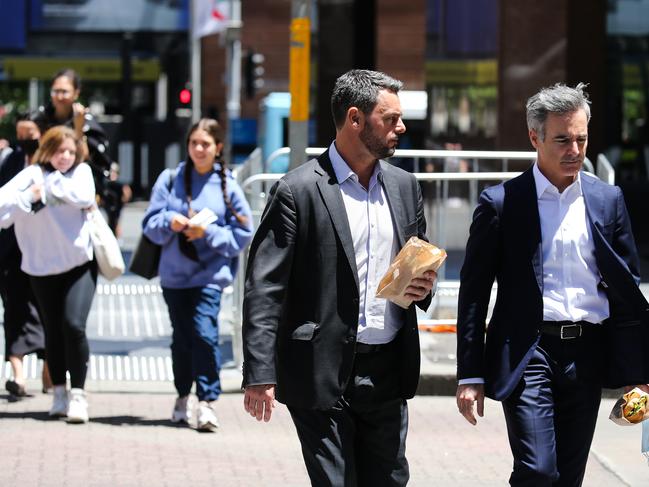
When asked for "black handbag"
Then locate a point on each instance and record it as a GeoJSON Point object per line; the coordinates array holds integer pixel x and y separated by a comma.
{"type": "Point", "coordinates": [146, 256]}
{"type": "Point", "coordinates": [145, 259]}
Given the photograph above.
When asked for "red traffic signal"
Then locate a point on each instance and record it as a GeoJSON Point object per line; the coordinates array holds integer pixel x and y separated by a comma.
{"type": "Point", "coordinates": [185, 96]}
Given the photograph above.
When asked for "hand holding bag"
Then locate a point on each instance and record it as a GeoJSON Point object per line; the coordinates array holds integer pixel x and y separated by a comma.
{"type": "Point", "coordinates": [107, 252]}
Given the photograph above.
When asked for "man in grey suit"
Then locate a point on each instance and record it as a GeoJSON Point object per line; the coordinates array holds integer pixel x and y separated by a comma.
{"type": "Point", "coordinates": [315, 336]}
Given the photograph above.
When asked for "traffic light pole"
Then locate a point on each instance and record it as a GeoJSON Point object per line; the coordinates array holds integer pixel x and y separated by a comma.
{"type": "Point", "coordinates": [233, 62]}
{"type": "Point", "coordinates": [300, 60]}
{"type": "Point", "coordinates": [195, 67]}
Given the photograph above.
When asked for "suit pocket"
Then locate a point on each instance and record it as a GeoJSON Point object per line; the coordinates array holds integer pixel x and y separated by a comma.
{"type": "Point", "coordinates": [410, 230]}
{"type": "Point", "coordinates": [305, 331]}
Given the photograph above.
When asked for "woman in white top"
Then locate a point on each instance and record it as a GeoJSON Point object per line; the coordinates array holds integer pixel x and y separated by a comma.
{"type": "Point", "coordinates": [46, 202]}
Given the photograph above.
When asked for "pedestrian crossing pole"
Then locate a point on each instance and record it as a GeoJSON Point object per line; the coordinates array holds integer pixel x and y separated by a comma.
{"type": "Point", "coordinates": [299, 80]}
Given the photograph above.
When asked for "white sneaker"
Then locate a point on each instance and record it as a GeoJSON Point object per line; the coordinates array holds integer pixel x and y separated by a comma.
{"type": "Point", "coordinates": [182, 412]}
{"type": "Point", "coordinates": [206, 418]}
{"type": "Point", "coordinates": [59, 407]}
{"type": "Point", "coordinates": [77, 407]}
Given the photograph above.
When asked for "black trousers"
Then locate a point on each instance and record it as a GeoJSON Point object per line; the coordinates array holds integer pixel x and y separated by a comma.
{"type": "Point", "coordinates": [65, 300]}
{"type": "Point", "coordinates": [24, 332]}
{"type": "Point", "coordinates": [551, 415]}
{"type": "Point", "coordinates": [361, 441]}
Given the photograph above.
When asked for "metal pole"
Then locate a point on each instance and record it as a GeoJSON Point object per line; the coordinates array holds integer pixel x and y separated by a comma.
{"type": "Point", "coordinates": [233, 70]}
{"type": "Point", "coordinates": [300, 60]}
{"type": "Point", "coordinates": [234, 61]}
{"type": "Point", "coordinates": [195, 67]}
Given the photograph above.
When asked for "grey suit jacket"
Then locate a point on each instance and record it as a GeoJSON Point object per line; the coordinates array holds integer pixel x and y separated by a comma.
{"type": "Point", "coordinates": [300, 310]}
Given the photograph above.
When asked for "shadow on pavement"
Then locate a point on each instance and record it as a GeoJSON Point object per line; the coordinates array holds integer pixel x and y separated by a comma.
{"type": "Point", "coordinates": [135, 421]}
{"type": "Point", "coordinates": [36, 415]}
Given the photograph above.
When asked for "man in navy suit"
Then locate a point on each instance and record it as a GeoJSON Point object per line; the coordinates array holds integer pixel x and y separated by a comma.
{"type": "Point", "coordinates": [569, 317]}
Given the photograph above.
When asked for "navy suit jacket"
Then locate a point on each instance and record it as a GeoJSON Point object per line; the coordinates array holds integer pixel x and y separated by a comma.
{"type": "Point", "coordinates": [505, 244]}
{"type": "Point", "coordinates": [300, 310]}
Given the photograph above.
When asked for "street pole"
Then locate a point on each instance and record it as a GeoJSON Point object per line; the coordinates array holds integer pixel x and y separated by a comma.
{"type": "Point", "coordinates": [195, 67]}
{"type": "Point", "coordinates": [233, 62]}
{"type": "Point", "coordinates": [300, 61]}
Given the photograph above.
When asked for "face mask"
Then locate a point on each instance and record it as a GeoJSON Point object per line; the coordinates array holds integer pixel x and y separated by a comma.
{"type": "Point", "coordinates": [28, 146]}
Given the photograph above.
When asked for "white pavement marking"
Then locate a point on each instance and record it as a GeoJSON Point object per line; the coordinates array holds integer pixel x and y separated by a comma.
{"type": "Point", "coordinates": [135, 315]}
{"type": "Point", "coordinates": [122, 303]}
{"type": "Point", "coordinates": [111, 313]}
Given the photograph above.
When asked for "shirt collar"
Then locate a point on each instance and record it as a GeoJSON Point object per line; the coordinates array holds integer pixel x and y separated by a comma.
{"type": "Point", "coordinates": [542, 183]}
{"type": "Point", "coordinates": [344, 172]}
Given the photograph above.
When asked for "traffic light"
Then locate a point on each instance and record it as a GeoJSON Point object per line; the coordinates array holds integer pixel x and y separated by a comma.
{"type": "Point", "coordinates": [254, 73]}
{"type": "Point", "coordinates": [185, 96]}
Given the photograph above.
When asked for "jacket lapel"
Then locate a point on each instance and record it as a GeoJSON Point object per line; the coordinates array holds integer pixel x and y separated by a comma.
{"type": "Point", "coordinates": [333, 201]}
{"type": "Point", "coordinates": [394, 202]}
{"type": "Point", "coordinates": [594, 203]}
{"type": "Point", "coordinates": [529, 207]}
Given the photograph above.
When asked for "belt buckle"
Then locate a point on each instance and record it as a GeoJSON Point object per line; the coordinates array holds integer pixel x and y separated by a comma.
{"type": "Point", "coordinates": [563, 327]}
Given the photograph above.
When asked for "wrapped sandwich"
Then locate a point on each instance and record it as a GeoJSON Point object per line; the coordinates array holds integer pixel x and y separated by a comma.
{"type": "Point", "coordinates": [415, 258]}
{"type": "Point", "coordinates": [631, 408]}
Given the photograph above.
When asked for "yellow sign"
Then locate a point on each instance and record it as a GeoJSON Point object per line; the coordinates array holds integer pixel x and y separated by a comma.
{"type": "Point", "coordinates": [90, 69]}
{"type": "Point", "coordinates": [300, 58]}
{"type": "Point", "coordinates": [456, 72]}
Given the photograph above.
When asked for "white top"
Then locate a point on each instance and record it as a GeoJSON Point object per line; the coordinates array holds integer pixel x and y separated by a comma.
{"type": "Point", "coordinates": [570, 272]}
{"type": "Point", "coordinates": [56, 238]}
{"type": "Point", "coordinates": [375, 245]}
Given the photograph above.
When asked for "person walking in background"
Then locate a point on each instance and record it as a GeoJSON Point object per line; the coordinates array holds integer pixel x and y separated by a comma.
{"type": "Point", "coordinates": [113, 197]}
{"type": "Point", "coordinates": [46, 202]}
{"type": "Point", "coordinates": [569, 317]}
{"type": "Point", "coordinates": [22, 325]}
{"type": "Point", "coordinates": [65, 109]}
{"type": "Point", "coordinates": [314, 334]}
{"type": "Point", "coordinates": [199, 259]}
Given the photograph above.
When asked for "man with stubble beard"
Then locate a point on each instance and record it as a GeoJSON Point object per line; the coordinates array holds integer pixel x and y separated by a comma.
{"type": "Point", "coordinates": [315, 336]}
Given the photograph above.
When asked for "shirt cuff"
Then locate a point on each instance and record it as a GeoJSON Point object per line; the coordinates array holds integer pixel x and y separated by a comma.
{"type": "Point", "coordinates": [470, 380]}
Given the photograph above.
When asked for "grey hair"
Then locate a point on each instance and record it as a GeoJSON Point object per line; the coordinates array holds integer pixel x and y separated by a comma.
{"type": "Point", "coordinates": [559, 99]}
{"type": "Point", "coordinates": [359, 88]}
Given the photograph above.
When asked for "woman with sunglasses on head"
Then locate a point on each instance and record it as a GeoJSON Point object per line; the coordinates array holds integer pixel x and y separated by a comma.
{"type": "Point", "coordinates": [65, 109]}
{"type": "Point", "coordinates": [46, 202]}
{"type": "Point", "coordinates": [198, 260]}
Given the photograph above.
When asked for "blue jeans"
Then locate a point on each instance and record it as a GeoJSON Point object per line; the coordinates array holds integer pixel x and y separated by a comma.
{"type": "Point", "coordinates": [195, 351]}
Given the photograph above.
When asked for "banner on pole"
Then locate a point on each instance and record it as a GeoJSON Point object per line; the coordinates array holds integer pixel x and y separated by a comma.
{"type": "Point", "coordinates": [209, 17]}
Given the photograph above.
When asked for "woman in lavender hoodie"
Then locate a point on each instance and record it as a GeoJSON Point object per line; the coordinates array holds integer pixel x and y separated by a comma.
{"type": "Point", "coordinates": [197, 262]}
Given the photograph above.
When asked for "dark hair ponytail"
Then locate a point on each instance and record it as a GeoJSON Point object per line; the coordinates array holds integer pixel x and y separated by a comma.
{"type": "Point", "coordinates": [213, 129]}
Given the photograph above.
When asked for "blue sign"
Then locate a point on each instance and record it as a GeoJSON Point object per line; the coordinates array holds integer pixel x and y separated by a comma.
{"type": "Point", "coordinates": [12, 33]}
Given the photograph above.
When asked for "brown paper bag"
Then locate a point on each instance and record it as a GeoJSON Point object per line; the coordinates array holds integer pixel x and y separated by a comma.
{"type": "Point", "coordinates": [415, 258]}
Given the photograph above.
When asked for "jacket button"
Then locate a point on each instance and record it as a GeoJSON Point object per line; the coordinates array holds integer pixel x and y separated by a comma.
{"type": "Point", "coordinates": [351, 339]}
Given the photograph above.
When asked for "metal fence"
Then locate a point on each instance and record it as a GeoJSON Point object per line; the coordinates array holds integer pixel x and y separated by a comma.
{"type": "Point", "coordinates": [447, 205]}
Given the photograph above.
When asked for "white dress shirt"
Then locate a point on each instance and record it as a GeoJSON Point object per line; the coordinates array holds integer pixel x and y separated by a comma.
{"type": "Point", "coordinates": [375, 245]}
{"type": "Point", "coordinates": [570, 273]}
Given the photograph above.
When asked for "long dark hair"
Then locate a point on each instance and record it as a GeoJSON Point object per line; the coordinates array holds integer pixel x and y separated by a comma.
{"type": "Point", "coordinates": [214, 130]}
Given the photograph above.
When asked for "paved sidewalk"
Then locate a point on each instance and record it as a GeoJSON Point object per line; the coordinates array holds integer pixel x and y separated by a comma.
{"type": "Point", "coordinates": [130, 442]}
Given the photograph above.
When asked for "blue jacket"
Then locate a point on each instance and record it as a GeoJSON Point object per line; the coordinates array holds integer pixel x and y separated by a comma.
{"type": "Point", "coordinates": [505, 244]}
{"type": "Point", "coordinates": [218, 252]}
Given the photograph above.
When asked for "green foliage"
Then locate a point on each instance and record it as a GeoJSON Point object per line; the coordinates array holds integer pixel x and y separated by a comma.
{"type": "Point", "coordinates": [13, 100]}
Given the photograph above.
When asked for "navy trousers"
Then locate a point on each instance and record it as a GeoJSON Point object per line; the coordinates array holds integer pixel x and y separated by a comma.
{"type": "Point", "coordinates": [551, 415]}
{"type": "Point", "coordinates": [195, 353]}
